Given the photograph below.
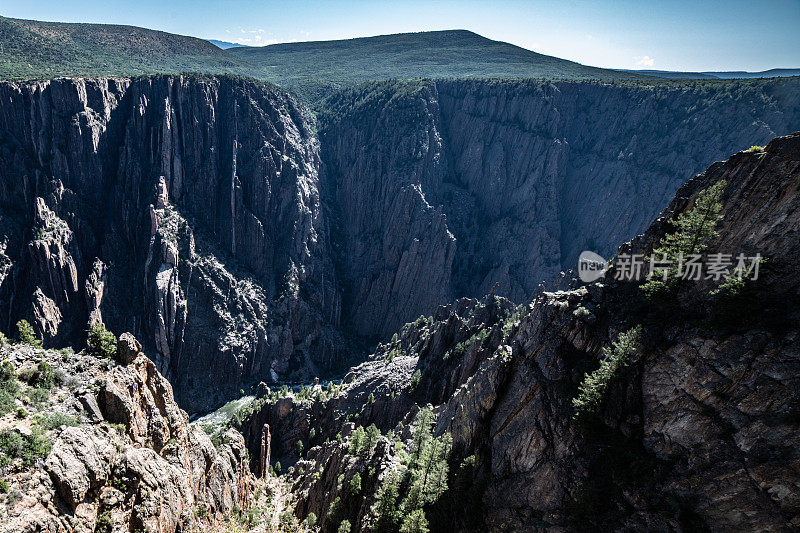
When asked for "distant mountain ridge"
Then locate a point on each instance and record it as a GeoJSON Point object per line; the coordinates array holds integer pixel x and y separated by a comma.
{"type": "Point", "coordinates": [720, 75]}
{"type": "Point", "coordinates": [309, 67]}
{"type": "Point", "coordinates": [224, 45]}
{"type": "Point", "coordinates": [43, 50]}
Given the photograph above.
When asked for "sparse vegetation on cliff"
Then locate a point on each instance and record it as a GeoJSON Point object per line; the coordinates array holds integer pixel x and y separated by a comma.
{"type": "Point", "coordinates": [102, 343]}
{"type": "Point", "coordinates": [695, 231]}
{"type": "Point", "coordinates": [26, 334]}
{"type": "Point", "coordinates": [592, 390]}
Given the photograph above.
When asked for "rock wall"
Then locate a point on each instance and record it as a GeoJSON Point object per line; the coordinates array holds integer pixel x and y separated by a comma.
{"type": "Point", "coordinates": [697, 431]}
{"type": "Point", "coordinates": [448, 189]}
{"type": "Point", "coordinates": [207, 216]}
{"type": "Point", "coordinates": [183, 209]}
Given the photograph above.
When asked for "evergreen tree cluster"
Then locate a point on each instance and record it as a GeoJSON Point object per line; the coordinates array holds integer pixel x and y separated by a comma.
{"type": "Point", "coordinates": [422, 477]}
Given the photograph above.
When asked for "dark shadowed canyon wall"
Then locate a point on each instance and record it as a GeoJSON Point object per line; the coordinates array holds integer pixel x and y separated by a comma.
{"type": "Point", "coordinates": [208, 217]}
{"type": "Point", "coordinates": [448, 189]}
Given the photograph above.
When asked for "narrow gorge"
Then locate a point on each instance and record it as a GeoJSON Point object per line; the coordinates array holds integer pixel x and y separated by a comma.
{"type": "Point", "coordinates": [244, 238]}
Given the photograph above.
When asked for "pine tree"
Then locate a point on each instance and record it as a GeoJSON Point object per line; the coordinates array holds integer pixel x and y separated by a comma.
{"type": "Point", "coordinates": [435, 480]}
{"type": "Point", "coordinates": [695, 231]}
{"type": "Point", "coordinates": [355, 484]}
{"type": "Point", "coordinates": [102, 343]}
{"type": "Point", "coordinates": [357, 439]}
{"type": "Point", "coordinates": [412, 501]}
{"type": "Point", "coordinates": [415, 522]}
{"type": "Point", "coordinates": [592, 390]}
{"type": "Point", "coordinates": [422, 432]}
{"type": "Point", "coordinates": [371, 436]}
{"type": "Point", "coordinates": [385, 508]}
{"type": "Point", "coordinates": [26, 335]}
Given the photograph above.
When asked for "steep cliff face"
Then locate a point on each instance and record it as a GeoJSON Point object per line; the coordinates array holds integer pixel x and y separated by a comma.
{"type": "Point", "coordinates": [696, 431]}
{"type": "Point", "coordinates": [206, 216]}
{"type": "Point", "coordinates": [465, 185]}
{"type": "Point", "coordinates": [184, 209]}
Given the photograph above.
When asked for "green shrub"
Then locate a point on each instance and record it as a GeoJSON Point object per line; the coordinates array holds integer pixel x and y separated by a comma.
{"type": "Point", "coordinates": [415, 522]}
{"type": "Point", "coordinates": [581, 312]}
{"type": "Point", "coordinates": [26, 335]}
{"type": "Point", "coordinates": [38, 395]}
{"type": "Point", "coordinates": [7, 372]}
{"type": "Point", "coordinates": [66, 353]}
{"type": "Point", "coordinates": [37, 446]}
{"type": "Point", "coordinates": [9, 388]}
{"type": "Point", "coordinates": [28, 447]}
{"type": "Point", "coordinates": [44, 376]}
{"type": "Point", "coordinates": [344, 527]}
{"type": "Point", "coordinates": [12, 445]}
{"type": "Point", "coordinates": [3, 487]}
{"type": "Point", "coordinates": [755, 148]}
{"type": "Point", "coordinates": [310, 521]}
{"type": "Point", "coordinates": [414, 383]}
{"type": "Point", "coordinates": [6, 402]}
{"type": "Point", "coordinates": [592, 390]}
{"type": "Point", "coordinates": [105, 524]}
{"type": "Point", "coordinates": [56, 420]}
{"type": "Point", "coordinates": [3, 339]}
{"type": "Point", "coordinates": [102, 343]}
{"type": "Point", "coordinates": [355, 484]}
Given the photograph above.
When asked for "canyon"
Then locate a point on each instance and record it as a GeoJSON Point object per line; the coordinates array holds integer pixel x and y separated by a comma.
{"type": "Point", "coordinates": [695, 431]}
{"type": "Point", "coordinates": [464, 420]}
{"type": "Point", "coordinates": [244, 238]}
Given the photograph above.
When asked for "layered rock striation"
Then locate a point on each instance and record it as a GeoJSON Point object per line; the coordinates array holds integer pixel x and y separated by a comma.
{"type": "Point", "coordinates": [455, 188]}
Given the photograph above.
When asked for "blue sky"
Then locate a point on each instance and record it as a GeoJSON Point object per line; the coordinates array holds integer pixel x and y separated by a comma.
{"type": "Point", "coordinates": [670, 34]}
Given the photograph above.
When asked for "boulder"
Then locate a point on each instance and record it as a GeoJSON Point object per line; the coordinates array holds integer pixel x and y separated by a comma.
{"type": "Point", "coordinates": [128, 348]}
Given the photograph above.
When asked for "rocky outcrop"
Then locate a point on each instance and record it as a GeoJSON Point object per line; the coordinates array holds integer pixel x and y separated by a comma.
{"type": "Point", "coordinates": [697, 431]}
{"type": "Point", "coordinates": [444, 350]}
{"type": "Point", "coordinates": [133, 463]}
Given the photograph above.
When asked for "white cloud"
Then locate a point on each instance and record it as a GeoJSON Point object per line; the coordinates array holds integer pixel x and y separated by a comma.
{"type": "Point", "coordinates": [250, 37]}
{"type": "Point", "coordinates": [644, 61]}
